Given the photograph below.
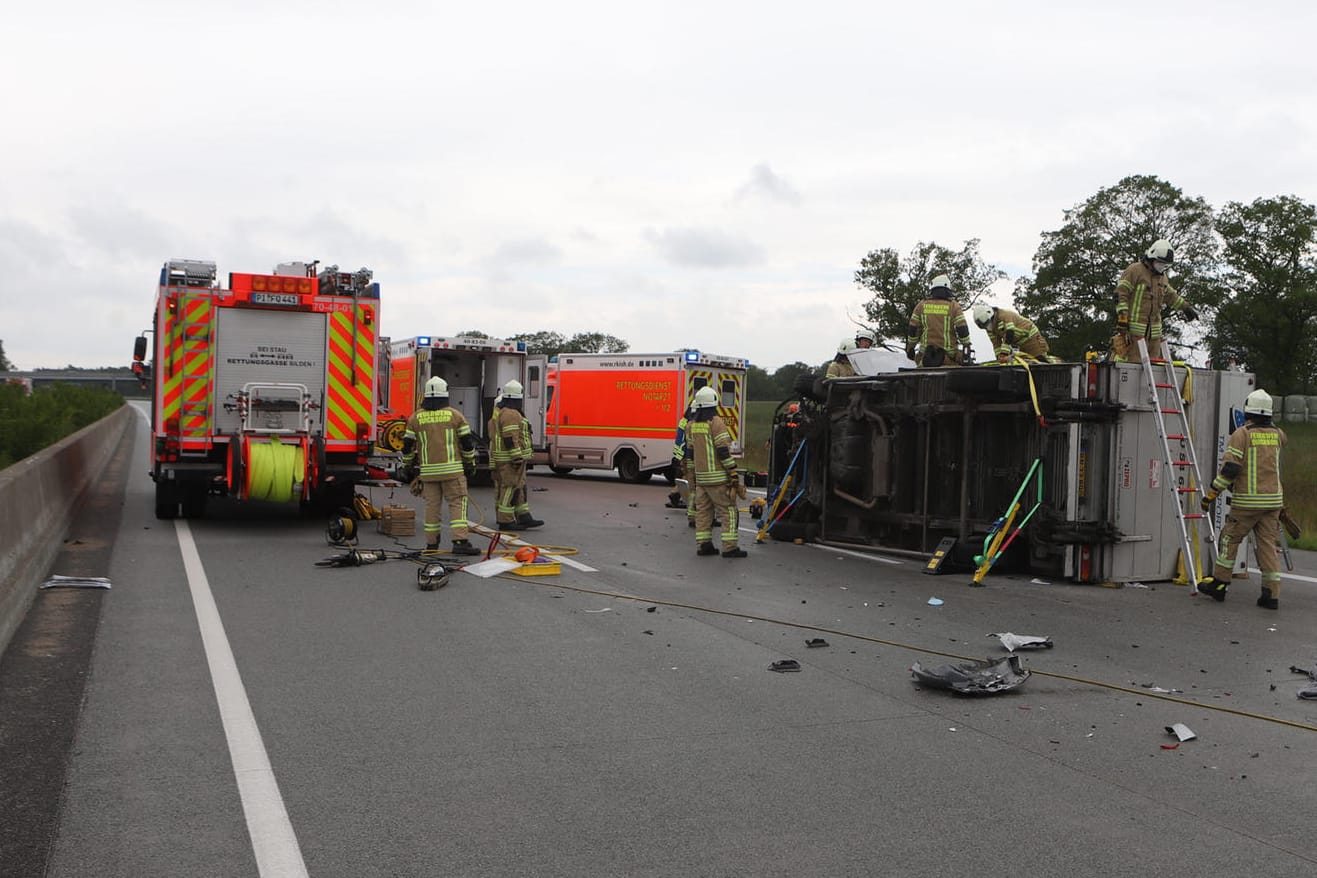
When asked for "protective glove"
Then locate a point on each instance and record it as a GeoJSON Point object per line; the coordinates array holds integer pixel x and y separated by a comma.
{"type": "Point", "coordinates": [1190, 313]}
{"type": "Point", "coordinates": [1123, 321]}
{"type": "Point", "coordinates": [406, 473]}
{"type": "Point", "coordinates": [1207, 500]}
{"type": "Point", "coordinates": [737, 488]}
{"type": "Point", "coordinates": [469, 468]}
{"type": "Point", "coordinates": [1010, 336]}
{"type": "Point", "coordinates": [910, 354]}
{"type": "Point", "coordinates": [417, 487]}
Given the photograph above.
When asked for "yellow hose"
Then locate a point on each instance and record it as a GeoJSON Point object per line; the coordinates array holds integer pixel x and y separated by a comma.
{"type": "Point", "coordinates": [272, 470]}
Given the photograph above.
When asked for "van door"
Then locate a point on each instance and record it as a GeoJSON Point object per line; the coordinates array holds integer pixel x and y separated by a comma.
{"type": "Point", "coordinates": [537, 400]}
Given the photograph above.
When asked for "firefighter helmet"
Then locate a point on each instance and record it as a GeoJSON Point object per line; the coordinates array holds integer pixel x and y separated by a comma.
{"type": "Point", "coordinates": [847, 346]}
{"type": "Point", "coordinates": [436, 386]}
{"type": "Point", "coordinates": [983, 315]}
{"type": "Point", "coordinates": [1162, 251]}
{"type": "Point", "coordinates": [940, 281]}
{"type": "Point", "coordinates": [1258, 403]}
{"type": "Point", "coordinates": [513, 390]}
{"type": "Point", "coordinates": [865, 334]}
{"type": "Point", "coordinates": [706, 398]}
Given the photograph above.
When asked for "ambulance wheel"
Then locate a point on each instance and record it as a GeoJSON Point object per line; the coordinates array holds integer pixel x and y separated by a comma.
{"type": "Point", "coordinates": [166, 501]}
{"type": "Point", "coordinates": [628, 468]}
{"type": "Point", "coordinates": [561, 470]}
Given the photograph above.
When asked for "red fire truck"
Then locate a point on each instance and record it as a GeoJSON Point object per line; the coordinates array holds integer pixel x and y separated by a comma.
{"type": "Point", "coordinates": [620, 411]}
{"type": "Point", "coordinates": [263, 389]}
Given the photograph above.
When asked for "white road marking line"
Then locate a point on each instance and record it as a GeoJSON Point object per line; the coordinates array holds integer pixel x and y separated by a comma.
{"type": "Point", "coordinates": [1298, 576]}
{"type": "Point", "coordinates": [274, 843]}
{"type": "Point", "coordinates": [867, 556]}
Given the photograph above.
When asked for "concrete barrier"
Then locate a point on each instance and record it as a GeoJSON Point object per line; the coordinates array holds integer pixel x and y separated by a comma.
{"type": "Point", "coordinates": [1296, 408]}
{"type": "Point", "coordinates": [37, 497]}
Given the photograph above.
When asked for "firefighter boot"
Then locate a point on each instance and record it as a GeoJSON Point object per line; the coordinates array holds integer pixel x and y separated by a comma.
{"type": "Point", "coordinates": [464, 547]}
{"type": "Point", "coordinates": [525, 522]}
{"type": "Point", "coordinates": [1214, 588]}
{"type": "Point", "coordinates": [1266, 600]}
{"type": "Point", "coordinates": [734, 552]}
{"type": "Point", "coordinates": [706, 549]}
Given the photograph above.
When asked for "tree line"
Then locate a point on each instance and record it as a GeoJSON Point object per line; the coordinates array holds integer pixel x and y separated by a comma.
{"type": "Point", "coordinates": [1250, 270]}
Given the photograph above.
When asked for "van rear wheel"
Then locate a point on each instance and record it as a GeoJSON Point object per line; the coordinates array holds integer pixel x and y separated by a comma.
{"type": "Point", "coordinates": [628, 468]}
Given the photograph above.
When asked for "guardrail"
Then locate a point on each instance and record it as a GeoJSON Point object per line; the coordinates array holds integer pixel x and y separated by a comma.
{"type": "Point", "coordinates": [37, 497]}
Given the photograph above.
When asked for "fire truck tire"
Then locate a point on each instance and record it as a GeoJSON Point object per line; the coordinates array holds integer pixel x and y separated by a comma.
{"type": "Point", "coordinates": [561, 470]}
{"type": "Point", "coordinates": [628, 467]}
{"type": "Point", "coordinates": [166, 501]}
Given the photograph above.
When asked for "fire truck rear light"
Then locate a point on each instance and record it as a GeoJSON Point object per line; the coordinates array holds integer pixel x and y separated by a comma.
{"type": "Point", "coordinates": [367, 316]}
{"type": "Point", "coordinates": [172, 304]}
{"type": "Point", "coordinates": [258, 284]}
{"type": "Point", "coordinates": [171, 425]}
{"type": "Point", "coordinates": [363, 431]}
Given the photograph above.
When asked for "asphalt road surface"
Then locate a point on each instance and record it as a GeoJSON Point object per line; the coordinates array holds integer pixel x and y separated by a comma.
{"type": "Point", "coordinates": [248, 713]}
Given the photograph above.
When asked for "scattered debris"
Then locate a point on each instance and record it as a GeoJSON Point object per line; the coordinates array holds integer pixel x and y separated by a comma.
{"type": "Point", "coordinates": [816, 642]}
{"type": "Point", "coordinates": [651, 609]}
{"type": "Point", "coordinates": [1175, 746]}
{"type": "Point", "coordinates": [633, 504]}
{"type": "Point", "coordinates": [492, 567]}
{"type": "Point", "coordinates": [1039, 582]}
{"type": "Point", "coordinates": [604, 610]}
{"type": "Point", "coordinates": [1307, 692]}
{"type": "Point", "coordinates": [1153, 687]}
{"type": "Point", "coordinates": [1135, 585]}
{"type": "Point", "coordinates": [1181, 731]}
{"type": "Point", "coordinates": [1023, 641]}
{"type": "Point", "coordinates": [58, 581]}
{"type": "Point", "coordinates": [987, 677]}
{"type": "Point", "coordinates": [935, 602]}
{"type": "Point", "coordinates": [784, 666]}
{"type": "Point", "coordinates": [432, 576]}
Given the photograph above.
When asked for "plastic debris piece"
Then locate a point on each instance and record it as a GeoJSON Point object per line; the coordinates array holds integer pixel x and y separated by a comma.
{"type": "Point", "coordinates": [1135, 585]}
{"type": "Point", "coordinates": [1175, 746]}
{"type": "Point", "coordinates": [604, 610]}
{"type": "Point", "coordinates": [1308, 692]}
{"type": "Point", "coordinates": [58, 581]}
{"type": "Point", "coordinates": [816, 642]}
{"type": "Point", "coordinates": [1181, 732]}
{"type": "Point", "coordinates": [784, 666]}
{"type": "Point", "coordinates": [1040, 582]}
{"type": "Point", "coordinates": [1023, 641]}
{"type": "Point", "coordinates": [935, 602]}
{"type": "Point", "coordinates": [987, 677]}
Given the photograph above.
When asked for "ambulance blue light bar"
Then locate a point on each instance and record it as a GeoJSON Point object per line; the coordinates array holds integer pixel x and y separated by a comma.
{"type": "Point", "coordinates": [692, 356]}
{"type": "Point", "coordinates": [422, 341]}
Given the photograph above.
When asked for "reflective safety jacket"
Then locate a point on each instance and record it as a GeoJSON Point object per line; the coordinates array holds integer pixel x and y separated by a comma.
{"type": "Point", "coordinates": [937, 323]}
{"type": "Point", "coordinates": [1250, 468]}
{"type": "Point", "coordinates": [509, 434]}
{"type": "Point", "coordinates": [437, 435]}
{"type": "Point", "coordinates": [1008, 329]}
{"type": "Point", "coordinates": [709, 445]}
{"type": "Point", "coordinates": [840, 369]}
{"type": "Point", "coordinates": [679, 445]}
{"type": "Point", "coordinates": [1142, 295]}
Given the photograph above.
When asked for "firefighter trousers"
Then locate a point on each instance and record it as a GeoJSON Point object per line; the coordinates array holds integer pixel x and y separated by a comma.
{"type": "Point", "coordinates": [1265, 527]}
{"type": "Point", "coordinates": [435, 490]}
{"type": "Point", "coordinates": [708, 500]}
{"type": "Point", "coordinates": [510, 491]}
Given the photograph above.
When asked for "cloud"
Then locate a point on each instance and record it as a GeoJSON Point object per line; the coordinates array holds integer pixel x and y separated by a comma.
{"type": "Point", "coordinates": [523, 252]}
{"type": "Point", "coordinates": [704, 248]}
{"type": "Point", "coordinates": [764, 184]}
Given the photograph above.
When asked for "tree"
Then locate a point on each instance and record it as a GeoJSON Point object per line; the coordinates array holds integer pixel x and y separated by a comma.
{"type": "Point", "coordinates": [899, 284]}
{"type": "Point", "coordinates": [474, 333]}
{"type": "Point", "coordinates": [550, 343]}
{"type": "Point", "coordinates": [553, 343]}
{"type": "Point", "coordinates": [785, 377]}
{"type": "Point", "coordinates": [1268, 320]}
{"type": "Point", "coordinates": [759, 385]}
{"type": "Point", "coordinates": [1072, 295]}
{"type": "Point", "coordinates": [5, 365]}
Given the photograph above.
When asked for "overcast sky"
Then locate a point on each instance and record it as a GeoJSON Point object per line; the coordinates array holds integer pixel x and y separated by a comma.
{"type": "Point", "coordinates": [685, 174]}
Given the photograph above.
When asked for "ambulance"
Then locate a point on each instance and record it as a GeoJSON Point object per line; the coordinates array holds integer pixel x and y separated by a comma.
{"type": "Point", "coordinates": [475, 367]}
{"type": "Point", "coordinates": [620, 411]}
{"type": "Point", "coordinates": [263, 389]}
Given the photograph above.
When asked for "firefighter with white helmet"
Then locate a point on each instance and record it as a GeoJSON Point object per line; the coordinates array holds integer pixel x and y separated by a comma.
{"type": "Point", "coordinates": [1009, 332]}
{"type": "Point", "coordinates": [439, 453]}
{"type": "Point", "coordinates": [938, 335]}
{"type": "Point", "coordinates": [841, 367]}
{"type": "Point", "coordinates": [1250, 470]}
{"type": "Point", "coordinates": [717, 485]}
{"type": "Point", "coordinates": [865, 338]}
{"type": "Point", "coordinates": [1142, 291]}
{"type": "Point", "coordinates": [509, 455]}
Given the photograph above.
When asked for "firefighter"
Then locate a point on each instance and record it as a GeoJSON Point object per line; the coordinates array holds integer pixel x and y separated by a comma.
{"type": "Point", "coordinates": [1250, 470]}
{"type": "Point", "coordinates": [865, 338]}
{"type": "Point", "coordinates": [1008, 330]}
{"type": "Point", "coordinates": [509, 455]}
{"type": "Point", "coordinates": [841, 367]}
{"type": "Point", "coordinates": [717, 485]}
{"type": "Point", "coordinates": [937, 323]}
{"type": "Point", "coordinates": [1141, 293]}
{"type": "Point", "coordinates": [441, 438]}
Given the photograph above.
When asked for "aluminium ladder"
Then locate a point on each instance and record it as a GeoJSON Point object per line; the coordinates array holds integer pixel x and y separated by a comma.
{"type": "Point", "coordinates": [1180, 468]}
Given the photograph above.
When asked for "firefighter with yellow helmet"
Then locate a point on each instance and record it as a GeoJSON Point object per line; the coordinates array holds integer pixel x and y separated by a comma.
{"type": "Point", "coordinates": [717, 485]}
{"type": "Point", "coordinates": [938, 334]}
{"type": "Point", "coordinates": [1250, 470]}
{"type": "Point", "coordinates": [509, 455]}
{"type": "Point", "coordinates": [1143, 290]}
{"type": "Point", "coordinates": [1009, 331]}
{"type": "Point", "coordinates": [439, 452]}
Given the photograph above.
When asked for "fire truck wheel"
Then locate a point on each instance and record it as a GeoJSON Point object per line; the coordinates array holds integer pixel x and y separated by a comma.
{"type": "Point", "coordinates": [628, 468]}
{"type": "Point", "coordinates": [561, 470]}
{"type": "Point", "coordinates": [166, 501]}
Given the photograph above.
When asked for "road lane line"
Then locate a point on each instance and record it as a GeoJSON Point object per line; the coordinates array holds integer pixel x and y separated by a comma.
{"type": "Point", "coordinates": [274, 843]}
